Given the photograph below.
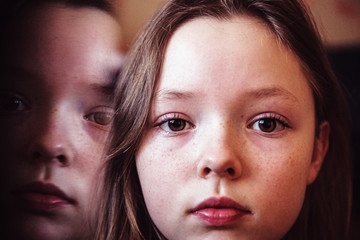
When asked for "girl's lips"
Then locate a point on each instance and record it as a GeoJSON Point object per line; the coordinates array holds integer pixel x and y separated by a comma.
{"type": "Point", "coordinates": [219, 211]}
{"type": "Point", "coordinates": [42, 197]}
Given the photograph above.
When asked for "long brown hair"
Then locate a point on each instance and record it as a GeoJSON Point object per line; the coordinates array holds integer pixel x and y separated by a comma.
{"type": "Point", "coordinates": [326, 210]}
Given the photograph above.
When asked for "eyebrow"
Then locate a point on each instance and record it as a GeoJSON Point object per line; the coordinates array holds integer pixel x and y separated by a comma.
{"type": "Point", "coordinates": [108, 89]}
{"type": "Point", "coordinates": [169, 94]}
{"type": "Point", "coordinates": [269, 92]}
{"type": "Point", "coordinates": [262, 93]}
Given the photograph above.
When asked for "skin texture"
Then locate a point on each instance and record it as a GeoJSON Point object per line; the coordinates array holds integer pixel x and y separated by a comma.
{"type": "Point", "coordinates": [219, 79]}
{"type": "Point", "coordinates": [61, 65]}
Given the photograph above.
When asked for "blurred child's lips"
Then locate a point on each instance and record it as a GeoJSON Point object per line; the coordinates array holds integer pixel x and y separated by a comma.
{"type": "Point", "coordinates": [219, 211]}
{"type": "Point", "coordinates": [42, 197]}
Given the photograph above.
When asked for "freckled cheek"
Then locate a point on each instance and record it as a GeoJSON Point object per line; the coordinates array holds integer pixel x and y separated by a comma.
{"type": "Point", "coordinates": [162, 157]}
{"type": "Point", "coordinates": [90, 154]}
{"type": "Point", "coordinates": [155, 164]}
{"type": "Point", "coordinates": [280, 184]}
{"type": "Point", "coordinates": [283, 160]}
{"type": "Point", "coordinates": [161, 169]}
{"type": "Point", "coordinates": [163, 175]}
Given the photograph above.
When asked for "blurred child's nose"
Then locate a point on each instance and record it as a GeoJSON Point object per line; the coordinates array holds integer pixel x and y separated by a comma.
{"type": "Point", "coordinates": [220, 155]}
{"type": "Point", "coordinates": [53, 139]}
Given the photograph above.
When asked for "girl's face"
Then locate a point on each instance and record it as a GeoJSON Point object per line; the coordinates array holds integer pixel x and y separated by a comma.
{"type": "Point", "coordinates": [230, 145]}
{"type": "Point", "coordinates": [55, 109]}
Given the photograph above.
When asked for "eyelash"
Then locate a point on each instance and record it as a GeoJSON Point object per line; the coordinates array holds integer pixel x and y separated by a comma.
{"type": "Point", "coordinates": [165, 119]}
{"type": "Point", "coordinates": [275, 118]}
{"type": "Point", "coordinates": [101, 116]}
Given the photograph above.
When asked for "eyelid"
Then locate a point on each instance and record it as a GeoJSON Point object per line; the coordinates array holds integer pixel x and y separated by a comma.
{"type": "Point", "coordinates": [102, 108]}
{"type": "Point", "coordinates": [170, 116]}
{"type": "Point", "coordinates": [99, 109]}
{"type": "Point", "coordinates": [280, 119]}
{"type": "Point", "coordinates": [270, 115]}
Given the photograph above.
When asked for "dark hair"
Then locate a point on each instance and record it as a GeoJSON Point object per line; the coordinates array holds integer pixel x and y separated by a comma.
{"type": "Point", "coordinates": [326, 209]}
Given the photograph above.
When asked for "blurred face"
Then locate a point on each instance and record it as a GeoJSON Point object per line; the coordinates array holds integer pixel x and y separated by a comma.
{"type": "Point", "coordinates": [55, 108]}
{"type": "Point", "coordinates": [230, 144]}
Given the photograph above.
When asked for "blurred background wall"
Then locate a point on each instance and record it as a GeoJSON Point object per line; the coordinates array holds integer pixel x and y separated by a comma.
{"type": "Point", "coordinates": [133, 14]}
{"type": "Point", "coordinates": [338, 21]}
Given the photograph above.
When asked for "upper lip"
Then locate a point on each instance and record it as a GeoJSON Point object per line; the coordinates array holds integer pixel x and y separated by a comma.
{"type": "Point", "coordinates": [44, 188]}
{"type": "Point", "coordinates": [219, 202]}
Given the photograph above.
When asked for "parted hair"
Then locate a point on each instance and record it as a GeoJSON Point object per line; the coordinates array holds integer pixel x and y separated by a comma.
{"type": "Point", "coordinates": [326, 210]}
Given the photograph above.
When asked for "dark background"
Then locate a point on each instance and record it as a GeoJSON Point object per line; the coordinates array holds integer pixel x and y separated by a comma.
{"type": "Point", "coordinates": [346, 65]}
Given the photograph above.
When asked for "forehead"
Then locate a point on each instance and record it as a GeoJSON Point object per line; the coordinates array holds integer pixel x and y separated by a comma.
{"type": "Point", "coordinates": [64, 20]}
{"type": "Point", "coordinates": [240, 52]}
{"type": "Point", "coordinates": [239, 36]}
{"type": "Point", "coordinates": [55, 24]}
{"type": "Point", "coordinates": [53, 39]}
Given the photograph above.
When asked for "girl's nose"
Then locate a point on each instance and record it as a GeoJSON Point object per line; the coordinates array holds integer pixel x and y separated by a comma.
{"type": "Point", "coordinates": [53, 141]}
{"type": "Point", "coordinates": [220, 154]}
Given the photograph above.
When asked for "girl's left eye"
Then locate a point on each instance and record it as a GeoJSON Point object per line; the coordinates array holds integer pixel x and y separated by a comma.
{"type": "Point", "coordinates": [268, 125]}
{"type": "Point", "coordinates": [102, 117]}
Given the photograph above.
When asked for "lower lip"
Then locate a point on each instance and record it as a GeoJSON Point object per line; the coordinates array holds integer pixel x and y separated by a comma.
{"type": "Point", "coordinates": [219, 216]}
{"type": "Point", "coordinates": [42, 203]}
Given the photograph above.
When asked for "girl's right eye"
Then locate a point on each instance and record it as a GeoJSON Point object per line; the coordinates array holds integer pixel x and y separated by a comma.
{"type": "Point", "coordinates": [174, 124]}
{"type": "Point", "coordinates": [11, 102]}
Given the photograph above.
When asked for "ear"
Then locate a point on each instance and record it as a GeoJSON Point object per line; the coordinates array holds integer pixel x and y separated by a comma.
{"type": "Point", "coordinates": [320, 149]}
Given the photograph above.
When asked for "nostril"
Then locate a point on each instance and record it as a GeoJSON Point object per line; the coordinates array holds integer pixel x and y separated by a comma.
{"type": "Point", "coordinates": [230, 171]}
{"type": "Point", "coordinates": [61, 158]}
{"type": "Point", "coordinates": [207, 170]}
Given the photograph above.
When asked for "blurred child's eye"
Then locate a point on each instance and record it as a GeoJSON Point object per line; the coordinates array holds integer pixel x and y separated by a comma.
{"type": "Point", "coordinates": [102, 117]}
{"type": "Point", "coordinates": [11, 102]}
